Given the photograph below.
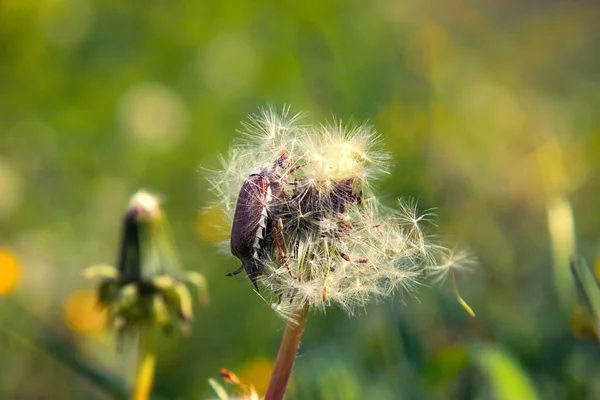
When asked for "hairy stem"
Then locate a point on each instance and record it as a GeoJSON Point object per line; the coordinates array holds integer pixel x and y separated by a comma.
{"type": "Point", "coordinates": [146, 363]}
{"type": "Point", "coordinates": [287, 354]}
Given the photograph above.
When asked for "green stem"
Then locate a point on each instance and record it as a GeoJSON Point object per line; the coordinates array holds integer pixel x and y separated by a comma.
{"type": "Point", "coordinates": [287, 354]}
{"type": "Point", "coordinates": [146, 363]}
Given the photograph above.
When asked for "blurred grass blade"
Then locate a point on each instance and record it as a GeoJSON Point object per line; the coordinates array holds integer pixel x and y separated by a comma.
{"type": "Point", "coordinates": [34, 333]}
{"type": "Point", "coordinates": [561, 226]}
{"type": "Point", "coordinates": [65, 354]}
{"type": "Point", "coordinates": [587, 286]}
{"type": "Point", "coordinates": [506, 378]}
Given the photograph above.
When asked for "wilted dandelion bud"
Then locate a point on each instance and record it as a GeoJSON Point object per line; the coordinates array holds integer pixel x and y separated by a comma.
{"type": "Point", "coordinates": [306, 222]}
{"type": "Point", "coordinates": [146, 286]}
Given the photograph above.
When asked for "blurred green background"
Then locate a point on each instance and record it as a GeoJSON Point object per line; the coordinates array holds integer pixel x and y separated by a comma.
{"type": "Point", "coordinates": [490, 109]}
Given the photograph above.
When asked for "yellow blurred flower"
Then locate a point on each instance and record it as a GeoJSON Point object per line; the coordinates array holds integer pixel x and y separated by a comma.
{"type": "Point", "coordinates": [9, 272]}
{"type": "Point", "coordinates": [258, 371]}
{"type": "Point", "coordinates": [84, 315]}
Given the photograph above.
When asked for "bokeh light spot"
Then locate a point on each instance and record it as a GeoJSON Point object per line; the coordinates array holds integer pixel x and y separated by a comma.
{"type": "Point", "coordinates": [66, 22]}
{"type": "Point", "coordinates": [229, 65]}
{"type": "Point", "coordinates": [10, 187]}
{"type": "Point", "coordinates": [154, 114]}
{"type": "Point", "coordinates": [9, 272]}
{"type": "Point", "coordinates": [83, 314]}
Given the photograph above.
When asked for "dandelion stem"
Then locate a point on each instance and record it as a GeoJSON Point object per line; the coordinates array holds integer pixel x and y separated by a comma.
{"type": "Point", "coordinates": [146, 363]}
{"type": "Point", "coordinates": [287, 354]}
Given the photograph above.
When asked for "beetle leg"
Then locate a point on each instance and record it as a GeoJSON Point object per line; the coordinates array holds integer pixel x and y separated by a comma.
{"type": "Point", "coordinates": [277, 228]}
{"type": "Point", "coordinates": [357, 261]}
{"type": "Point", "coordinates": [237, 271]}
{"type": "Point", "coordinates": [294, 168]}
{"type": "Point", "coordinates": [359, 197]}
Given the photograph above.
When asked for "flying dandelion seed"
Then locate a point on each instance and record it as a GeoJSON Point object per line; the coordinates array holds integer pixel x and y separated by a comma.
{"type": "Point", "coordinates": [306, 222]}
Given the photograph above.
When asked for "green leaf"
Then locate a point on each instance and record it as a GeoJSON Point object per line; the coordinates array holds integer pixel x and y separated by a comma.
{"type": "Point", "coordinates": [506, 378]}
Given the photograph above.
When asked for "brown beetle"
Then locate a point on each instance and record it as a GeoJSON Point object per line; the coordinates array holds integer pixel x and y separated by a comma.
{"type": "Point", "coordinates": [256, 218]}
{"type": "Point", "coordinates": [249, 232]}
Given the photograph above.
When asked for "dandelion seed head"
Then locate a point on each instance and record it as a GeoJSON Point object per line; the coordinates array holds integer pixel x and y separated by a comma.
{"type": "Point", "coordinates": [325, 238]}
